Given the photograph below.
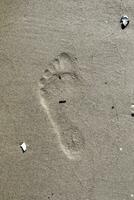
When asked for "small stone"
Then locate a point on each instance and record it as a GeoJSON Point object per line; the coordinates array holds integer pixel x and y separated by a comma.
{"type": "Point", "coordinates": [124, 21]}
{"type": "Point", "coordinates": [23, 147]}
{"type": "Point", "coordinates": [121, 149]}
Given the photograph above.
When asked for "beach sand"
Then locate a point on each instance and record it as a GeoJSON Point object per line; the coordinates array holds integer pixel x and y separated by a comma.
{"type": "Point", "coordinates": [67, 91]}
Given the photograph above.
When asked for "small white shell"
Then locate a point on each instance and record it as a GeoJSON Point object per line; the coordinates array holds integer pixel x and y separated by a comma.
{"type": "Point", "coordinates": [23, 146]}
{"type": "Point", "coordinates": [124, 21]}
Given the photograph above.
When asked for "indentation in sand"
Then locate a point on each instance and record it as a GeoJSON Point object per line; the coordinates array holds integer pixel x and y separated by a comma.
{"type": "Point", "coordinates": [58, 83]}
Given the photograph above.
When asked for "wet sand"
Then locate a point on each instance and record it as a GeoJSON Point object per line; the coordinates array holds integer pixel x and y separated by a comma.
{"type": "Point", "coordinates": [82, 149]}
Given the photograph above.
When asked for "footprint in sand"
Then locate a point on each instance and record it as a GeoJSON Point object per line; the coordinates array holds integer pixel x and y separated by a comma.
{"type": "Point", "coordinates": [59, 92]}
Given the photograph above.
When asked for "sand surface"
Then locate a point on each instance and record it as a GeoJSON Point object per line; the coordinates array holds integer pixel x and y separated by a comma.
{"type": "Point", "coordinates": [66, 90]}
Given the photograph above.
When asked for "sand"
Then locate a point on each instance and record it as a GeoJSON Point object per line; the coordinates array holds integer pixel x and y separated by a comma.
{"type": "Point", "coordinates": [66, 90]}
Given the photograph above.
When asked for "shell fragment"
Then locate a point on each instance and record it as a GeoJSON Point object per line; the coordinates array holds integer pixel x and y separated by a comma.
{"type": "Point", "coordinates": [23, 147]}
{"type": "Point", "coordinates": [124, 21]}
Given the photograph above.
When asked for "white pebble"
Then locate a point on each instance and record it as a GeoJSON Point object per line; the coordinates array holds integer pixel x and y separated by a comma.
{"type": "Point", "coordinates": [23, 146]}
{"type": "Point", "coordinates": [121, 148]}
{"type": "Point", "coordinates": [132, 195]}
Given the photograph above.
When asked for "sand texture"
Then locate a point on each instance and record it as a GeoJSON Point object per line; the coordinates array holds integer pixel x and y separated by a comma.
{"type": "Point", "coordinates": [67, 93]}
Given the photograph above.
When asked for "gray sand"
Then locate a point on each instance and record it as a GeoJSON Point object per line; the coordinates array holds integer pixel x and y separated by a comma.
{"type": "Point", "coordinates": [75, 51]}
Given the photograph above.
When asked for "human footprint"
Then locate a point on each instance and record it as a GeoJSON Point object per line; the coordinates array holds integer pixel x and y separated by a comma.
{"type": "Point", "coordinates": [59, 87]}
